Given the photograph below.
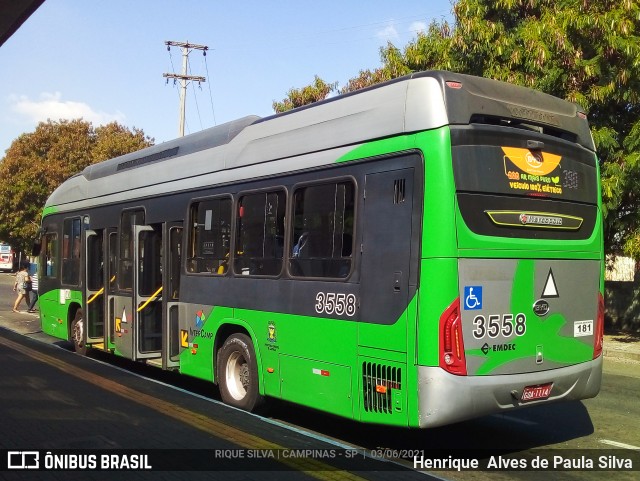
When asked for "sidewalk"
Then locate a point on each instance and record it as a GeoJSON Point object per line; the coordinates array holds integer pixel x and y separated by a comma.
{"type": "Point", "coordinates": [623, 346]}
{"type": "Point", "coordinates": [22, 322]}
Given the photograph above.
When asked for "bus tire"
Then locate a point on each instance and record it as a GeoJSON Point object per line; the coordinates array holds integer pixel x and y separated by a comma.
{"type": "Point", "coordinates": [77, 334]}
{"type": "Point", "coordinates": [238, 373]}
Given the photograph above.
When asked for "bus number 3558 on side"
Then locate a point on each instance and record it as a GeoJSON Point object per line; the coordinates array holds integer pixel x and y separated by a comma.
{"type": "Point", "coordinates": [332, 303]}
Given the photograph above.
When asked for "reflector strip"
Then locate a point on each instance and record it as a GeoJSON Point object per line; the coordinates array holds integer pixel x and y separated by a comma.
{"type": "Point", "coordinates": [320, 372]}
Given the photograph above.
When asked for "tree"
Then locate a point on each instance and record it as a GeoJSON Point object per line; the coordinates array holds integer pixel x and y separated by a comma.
{"type": "Point", "coordinates": [319, 90]}
{"type": "Point", "coordinates": [113, 140]}
{"type": "Point", "coordinates": [583, 51]}
{"type": "Point", "coordinates": [37, 163]}
{"type": "Point", "coordinates": [366, 78]}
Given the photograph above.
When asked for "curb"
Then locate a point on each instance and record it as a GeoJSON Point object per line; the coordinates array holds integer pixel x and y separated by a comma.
{"type": "Point", "coordinates": [621, 354]}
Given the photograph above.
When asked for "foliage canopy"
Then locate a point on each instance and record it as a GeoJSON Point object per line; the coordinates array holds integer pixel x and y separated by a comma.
{"type": "Point", "coordinates": [583, 51]}
{"type": "Point", "coordinates": [37, 163]}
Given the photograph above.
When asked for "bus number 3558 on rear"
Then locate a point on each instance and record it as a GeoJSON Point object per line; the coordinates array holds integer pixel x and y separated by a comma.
{"type": "Point", "coordinates": [332, 303]}
{"type": "Point", "coordinates": [496, 324]}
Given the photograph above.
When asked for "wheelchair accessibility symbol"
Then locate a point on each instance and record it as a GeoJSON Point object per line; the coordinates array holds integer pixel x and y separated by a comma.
{"type": "Point", "coordinates": [472, 298]}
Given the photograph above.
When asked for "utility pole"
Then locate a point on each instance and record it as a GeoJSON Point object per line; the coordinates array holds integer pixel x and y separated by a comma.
{"type": "Point", "coordinates": [184, 78]}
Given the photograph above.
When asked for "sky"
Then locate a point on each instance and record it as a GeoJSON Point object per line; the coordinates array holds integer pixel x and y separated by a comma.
{"type": "Point", "coordinates": [104, 60]}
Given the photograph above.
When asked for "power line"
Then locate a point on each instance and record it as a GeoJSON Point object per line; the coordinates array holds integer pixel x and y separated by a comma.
{"type": "Point", "coordinates": [206, 66]}
{"type": "Point", "coordinates": [195, 99]}
{"type": "Point", "coordinates": [309, 37]}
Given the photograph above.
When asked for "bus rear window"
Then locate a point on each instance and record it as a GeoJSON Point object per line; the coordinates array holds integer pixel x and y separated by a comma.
{"type": "Point", "coordinates": [521, 184]}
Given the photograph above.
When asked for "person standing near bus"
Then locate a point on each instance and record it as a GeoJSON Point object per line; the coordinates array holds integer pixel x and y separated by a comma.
{"type": "Point", "coordinates": [20, 286]}
{"type": "Point", "coordinates": [34, 292]}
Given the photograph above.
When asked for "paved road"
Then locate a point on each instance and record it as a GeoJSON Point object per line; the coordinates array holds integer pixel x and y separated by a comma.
{"type": "Point", "coordinates": [53, 399]}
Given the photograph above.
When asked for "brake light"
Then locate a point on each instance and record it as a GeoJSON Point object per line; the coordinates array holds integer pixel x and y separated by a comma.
{"type": "Point", "coordinates": [599, 330]}
{"type": "Point", "coordinates": [452, 358]}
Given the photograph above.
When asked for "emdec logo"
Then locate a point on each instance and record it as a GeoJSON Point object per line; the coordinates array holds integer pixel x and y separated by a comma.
{"type": "Point", "coordinates": [23, 460]}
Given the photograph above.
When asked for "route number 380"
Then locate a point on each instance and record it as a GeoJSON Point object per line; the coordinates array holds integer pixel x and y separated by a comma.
{"type": "Point", "coordinates": [332, 303]}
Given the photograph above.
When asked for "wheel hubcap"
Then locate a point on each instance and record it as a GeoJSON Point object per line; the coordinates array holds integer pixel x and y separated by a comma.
{"type": "Point", "coordinates": [77, 332]}
{"type": "Point", "coordinates": [237, 376]}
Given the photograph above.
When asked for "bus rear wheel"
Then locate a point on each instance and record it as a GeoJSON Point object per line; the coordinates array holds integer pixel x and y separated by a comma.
{"type": "Point", "coordinates": [77, 334]}
{"type": "Point", "coordinates": [238, 373]}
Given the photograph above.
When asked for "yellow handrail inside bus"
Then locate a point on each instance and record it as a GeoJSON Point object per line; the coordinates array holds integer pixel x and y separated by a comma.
{"type": "Point", "coordinates": [92, 298]}
{"type": "Point", "coordinates": [153, 297]}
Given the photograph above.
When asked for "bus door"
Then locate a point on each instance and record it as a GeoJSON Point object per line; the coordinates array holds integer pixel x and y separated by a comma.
{"type": "Point", "coordinates": [94, 291]}
{"type": "Point", "coordinates": [137, 299]}
{"type": "Point", "coordinates": [148, 293]}
{"type": "Point", "coordinates": [386, 256]}
{"type": "Point", "coordinates": [172, 341]}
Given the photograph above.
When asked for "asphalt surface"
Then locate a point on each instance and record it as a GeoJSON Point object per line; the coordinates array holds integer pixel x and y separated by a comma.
{"type": "Point", "coordinates": [79, 409]}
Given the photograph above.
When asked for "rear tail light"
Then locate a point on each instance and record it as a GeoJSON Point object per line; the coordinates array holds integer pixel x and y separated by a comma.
{"type": "Point", "coordinates": [599, 329]}
{"type": "Point", "coordinates": [452, 357]}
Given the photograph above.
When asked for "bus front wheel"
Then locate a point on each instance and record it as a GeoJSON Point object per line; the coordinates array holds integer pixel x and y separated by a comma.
{"type": "Point", "coordinates": [77, 334]}
{"type": "Point", "coordinates": [238, 373]}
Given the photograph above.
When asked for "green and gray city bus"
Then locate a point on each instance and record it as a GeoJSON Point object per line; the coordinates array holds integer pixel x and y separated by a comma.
{"type": "Point", "coordinates": [417, 253]}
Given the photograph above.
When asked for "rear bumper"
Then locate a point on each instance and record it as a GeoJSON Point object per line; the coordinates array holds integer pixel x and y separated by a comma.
{"type": "Point", "coordinates": [445, 398]}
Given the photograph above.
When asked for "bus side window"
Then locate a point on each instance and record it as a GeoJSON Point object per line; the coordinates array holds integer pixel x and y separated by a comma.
{"type": "Point", "coordinates": [260, 234]}
{"type": "Point", "coordinates": [128, 219]}
{"type": "Point", "coordinates": [322, 240]}
{"type": "Point", "coordinates": [71, 252]}
{"type": "Point", "coordinates": [210, 236]}
{"type": "Point", "coordinates": [49, 253]}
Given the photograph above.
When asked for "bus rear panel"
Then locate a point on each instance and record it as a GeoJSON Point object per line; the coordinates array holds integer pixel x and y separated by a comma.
{"type": "Point", "coordinates": [526, 318]}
